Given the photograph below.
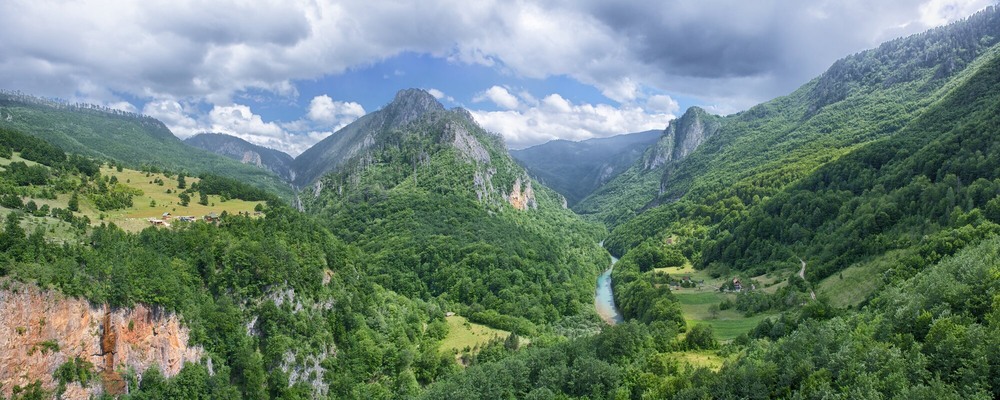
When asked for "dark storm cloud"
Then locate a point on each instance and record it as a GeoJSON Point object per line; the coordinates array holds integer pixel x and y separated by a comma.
{"type": "Point", "coordinates": [760, 49]}
{"type": "Point", "coordinates": [692, 42]}
{"type": "Point", "coordinates": [222, 24]}
{"type": "Point", "coordinates": [727, 54]}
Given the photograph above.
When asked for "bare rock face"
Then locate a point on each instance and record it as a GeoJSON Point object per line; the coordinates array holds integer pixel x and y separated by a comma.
{"type": "Point", "coordinates": [252, 157]}
{"type": "Point", "coordinates": [522, 200]}
{"type": "Point", "coordinates": [682, 137]}
{"type": "Point", "coordinates": [41, 330]}
{"type": "Point", "coordinates": [468, 145]}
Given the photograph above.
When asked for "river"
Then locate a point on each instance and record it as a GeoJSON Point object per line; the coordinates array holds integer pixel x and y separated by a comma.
{"type": "Point", "coordinates": [604, 301]}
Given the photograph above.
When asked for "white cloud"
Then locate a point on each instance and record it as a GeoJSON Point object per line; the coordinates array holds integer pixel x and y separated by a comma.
{"type": "Point", "coordinates": [662, 103]}
{"type": "Point", "coordinates": [940, 12]}
{"type": "Point", "coordinates": [172, 113]}
{"type": "Point", "coordinates": [557, 118]}
{"type": "Point", "coordinates": [324, 116]}
{"type": "Point", "coordinates": [499, 96]}
{"type": "Point", "coordinates": [325, 110]}
{"type": "Point", "coordinates": [239, 119]}
{"type": "Point", "coordinates": [440, 95]}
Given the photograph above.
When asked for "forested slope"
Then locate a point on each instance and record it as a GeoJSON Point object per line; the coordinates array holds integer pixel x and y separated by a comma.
{"type": "Point", "coordinates": [444, 212]}
{"type": "Point", "coordinates": [131, 139]}
{"type": "Point", "coordinates": [930, 336]}
{"type": "Point", "coordinates": [860, 99]}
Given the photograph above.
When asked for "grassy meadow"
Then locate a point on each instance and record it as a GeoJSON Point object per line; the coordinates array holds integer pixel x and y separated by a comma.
{"type": "Point", "coordinates": [696, 303]}
{"type": "Point", "coordinates": [463, 334]}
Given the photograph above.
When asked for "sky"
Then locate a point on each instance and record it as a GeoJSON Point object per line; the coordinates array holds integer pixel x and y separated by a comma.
{"type": "Point", "coordinates": [288, 73]}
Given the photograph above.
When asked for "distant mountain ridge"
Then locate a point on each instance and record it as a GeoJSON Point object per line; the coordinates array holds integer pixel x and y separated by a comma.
{"type": "Point", "coordinates": [245, 152]}
{"type": "Point", "coordinates": [639, 184]}
{"type": "Point", "coordinates": [576, 169]}
{"type": "Point", "coordinates": [134, 139]}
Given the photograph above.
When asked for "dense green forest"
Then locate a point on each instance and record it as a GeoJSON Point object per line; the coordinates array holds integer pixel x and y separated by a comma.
{"type": "Point", "coordinates": [911, 192]}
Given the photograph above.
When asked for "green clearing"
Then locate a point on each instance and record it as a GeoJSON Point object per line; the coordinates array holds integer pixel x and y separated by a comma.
{"type": "Point", "coordinates": [15, 158]}
{"type": "Point", "coordinates": [850, 287]}
{"type": "Point", "coordinates": [136, 217]}
{"type": "Point", "coordinates": [56, 230]}
{"type": "Point", "coordinates": [153, 202]}
{"type": "Point", "coordinates": [727, 324]}
{"type": "Point", "coordinates": [700, 359]}
{"type": "Point", "coordinates": [695, 302]}
{"type": "Point", "coordinates": [463, 334]}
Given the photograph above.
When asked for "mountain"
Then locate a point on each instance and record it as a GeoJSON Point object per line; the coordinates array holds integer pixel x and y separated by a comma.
{"type": "Point", "coordinates": [757, 153]}
{"type": "Point", "coordinates": [350, 140]}
{"type": "Point", "coordinates": [245, 152]}
{"type": "Point", "coordinates": [133, 139]}
{"type": "Point", "coordinates": [445, 213]}
{"type": "Point", "coordinates": [922, 193]}
{"type": "Point", "coordinates": [639, 184]}
{"type": "Point", "coordinates": [575, 169]}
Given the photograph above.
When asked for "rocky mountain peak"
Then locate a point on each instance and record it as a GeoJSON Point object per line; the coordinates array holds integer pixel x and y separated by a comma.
{"type": "Point", "coordinates": [682, 137]}
{"type": "Point", "coordinates": [410, 104]}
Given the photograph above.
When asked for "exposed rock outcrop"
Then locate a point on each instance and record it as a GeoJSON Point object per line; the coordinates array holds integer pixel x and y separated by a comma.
{"type": "Point", "coordinates": [682, 137]}
{"type": "Point", "coordinates": [522, 200]}
{"type": "Point", "coordinates": [41, 330]}
{"type": "Point", "coordinates": [468, 145]}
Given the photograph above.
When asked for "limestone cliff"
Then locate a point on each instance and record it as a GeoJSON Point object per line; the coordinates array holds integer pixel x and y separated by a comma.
{"type": "Point", "coordinates": [682, 137]}
{"type": "Point", "coordinates": [41, 330]}
{"type": "Point", "coordinates": [523, 200]}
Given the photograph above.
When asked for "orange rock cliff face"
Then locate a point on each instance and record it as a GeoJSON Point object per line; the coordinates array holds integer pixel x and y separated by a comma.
{"type": "Point", "coordinates": [522, 200]}
{"type": "Point", "coordinates": [112, 340]}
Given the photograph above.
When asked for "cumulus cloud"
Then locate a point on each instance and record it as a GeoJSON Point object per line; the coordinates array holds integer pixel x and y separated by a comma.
{"type": "Point", "coordinates": [499, 96]}
{"type": "Point", "coordinates": [554, 117]}
{"type": "Point", "coordinates": [662, 103]}
{"type": "Point", "coordinates": [324, 110]}
{"type": "Point", "coordinates": [238, 118]}
{"type": "Point", "coordinates": [172, 113]}
{"type": "Point", "coordinates": [440, 95]}
{"type": "Point", "coordinates": [323, 117]}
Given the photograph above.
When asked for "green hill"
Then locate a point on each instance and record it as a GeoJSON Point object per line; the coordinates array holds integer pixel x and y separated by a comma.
{"type": "Point", "coordinates": [129, 138]}
{"type": "Point", "coordinates": [349, 141]}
